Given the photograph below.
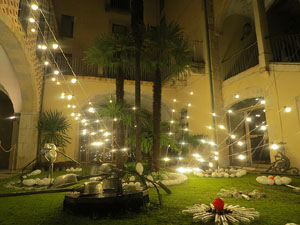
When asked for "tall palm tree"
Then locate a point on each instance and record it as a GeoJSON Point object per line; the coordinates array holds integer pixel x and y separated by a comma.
{"type": "Point", "coordinates": [114, 53]}
{"type": "Point", "coordinates": [168, 54]}
{"type": "Point", "coordinates": [137, 27]}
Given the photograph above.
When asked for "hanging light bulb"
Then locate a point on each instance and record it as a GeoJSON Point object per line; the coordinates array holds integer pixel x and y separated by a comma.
{"type": "Point", "coordinates": [263, 102]}
{"type": "Point", "coordinates": [69, 106]}
{"type": "Point", "coordinates": [186, 129]}
{"type": "Point", "coordinates": [72, 114]}
{"type": "Point", "coordinates": [78, 114]}
{"type": "Point", "coordinates": [263, 127]}
{"type": "Point", "coordinates": [248, 119]}
{"type": "Point", "coordinates": [241, 157]}
{"type": "Point", "coordinates": [53, 79]}
{"type": "Point", "coordinates": [174, 100]}
{"type": "Point", "coordinates": [62, 96]}
{"type": "Point", "coordinates": [211, 143]}
{"type": "Point", "coordinates": [97, 121]}
{"type": "Point", "coordinates": [216, 158]}
{"type": "Point", "coordinates": [229, 111]}
{"type": "Point", "coordinates": [216, 153]}
{"type": "Point", "coordinates": [172, 121]}
{"type": "Point", "coordinates": [46, 63]}
{"type": "Point", "coordinates": [257, 115]}
{"type": "Point", "coordinates": [73, 106]}
{"type": "Point", "coordinates": [236, 96]}
{"type": "Point", "coordinates": [91, 110]}
{"type": "Point", "coordinates": [189, 105]}
{"type": "Point", "coordinates": [110, 101]}
{"type": "Point", "coordinates": [44, 47]}
{"type": "Point", "coordinates": [166, 159]}
{"type": "Point", "coordinates": [54, 46]}
{"type": "Point", "coordinates": [70, 97]}
{"type": "Point", "coordinates": [31, 20]}
{"type": "Point", "coordinates": [84, 132]}
{"type": "Point", "coordinates": [106, 134]}
{"type": "Point", "coordinates": [74, 80]}
{"type": "Point", "coordinates": [196, 155]}
{"type": "Point", "coordinates": [34, 6]}
{"type": "Point", "coordinates": [93, 133]}
{"type": "Point", "coordinates": [210, 164]}
{"type": "Point", "coordinates": [287, 109]}
{"type": "Point", "coordinates": [232, 136]}
{"type": "Point", "coordinates": [214, 114]}
{"type": "Point", "coordinates": [274, 146]}
{"type": "Point", "coordinates": [222, 127]}
{"type": "Point", "coordinates": [209, 127]}
{"type": "Point", "coordinates": [58, 83]}
{"type": "Point", "coordinates": [83, 121]}
{"type": "Point", "coordinates": [56, 72]}
{"type": "Point", "coordinates": [97, 143]}
{"type": "Point", "coordinates": [187, 117]}
{"type": "Point", "coordinates": [240, 143]}
{"type": "Point", "coordinates": [203, 141]}
{"type": "Point", "coordinates": [191, 93]}
{"type": "Point", "coordinates": [115, 119]}
{"type": "Point", "coordinates": [173, 110]}
{"type": "Point", "coordinates": [33, 30]}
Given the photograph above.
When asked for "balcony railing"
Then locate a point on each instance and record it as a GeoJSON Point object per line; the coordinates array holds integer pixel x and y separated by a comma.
{"type": "Point", "coordinates": [286, 48]}
{"type": "Point", "coordinates": [240, 61]}
{"type": "Point", "coordinates": [197, 51]}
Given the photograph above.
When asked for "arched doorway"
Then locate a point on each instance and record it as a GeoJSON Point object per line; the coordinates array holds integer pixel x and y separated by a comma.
{"type": "Point", "coordinates": [248, 127]}
{"type": "Point", "coordinates": [6, 129]}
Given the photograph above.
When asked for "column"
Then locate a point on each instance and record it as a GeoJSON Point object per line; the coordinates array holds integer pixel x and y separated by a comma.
{"type": "Point", "coordinates": [262, 34]}
{"type": "Point", "coordinates": [27, 140]}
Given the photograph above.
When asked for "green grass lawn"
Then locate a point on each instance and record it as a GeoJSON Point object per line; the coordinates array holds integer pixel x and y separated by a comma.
{"type": "Point", "coordinates": [280, 206]}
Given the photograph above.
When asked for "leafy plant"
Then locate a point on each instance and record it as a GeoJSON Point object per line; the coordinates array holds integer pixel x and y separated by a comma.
{"type": "Point", "coordinates": [53, 126]}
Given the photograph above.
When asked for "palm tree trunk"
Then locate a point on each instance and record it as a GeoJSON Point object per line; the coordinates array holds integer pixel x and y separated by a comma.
{"type": "Point", "coordinates": [120, 159]}
{"type": "Point", "coordinates": [157, 88]}
{"type": "Point", "coordinates": [137, 21]}
{"type": "Point", "coordinates": [138, 105]}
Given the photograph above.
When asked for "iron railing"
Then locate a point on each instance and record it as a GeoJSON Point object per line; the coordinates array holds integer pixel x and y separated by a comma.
{"type": "Point", "coordinates": [241, 61]}
{"type": "Point", "coordinates": [285, 48]}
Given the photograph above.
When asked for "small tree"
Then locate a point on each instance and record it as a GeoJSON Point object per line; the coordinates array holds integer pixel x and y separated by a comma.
{"type": "Point", "coordinates": [53, 127]}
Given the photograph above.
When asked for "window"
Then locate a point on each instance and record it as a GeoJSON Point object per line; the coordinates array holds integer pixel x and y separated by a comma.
{"type": "Point", "coordinates": [120, 4]}
{"type": "Point", "coordinates": [66, 26]}
{"type": "Point", "coordinates": [23, 14]}
{"type": "Point", "coordinates": [119, 29]}
{"type": "Point", "coordinates": [248, 124]}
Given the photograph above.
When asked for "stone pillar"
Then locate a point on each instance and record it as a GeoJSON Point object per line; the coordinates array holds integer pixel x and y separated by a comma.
{"type": "Point", "coordinates": [14, 142]}
{"type": "Point", "coordinates": [27, 140]}
{"type": "Point", "coordinates": [212, 45]}
{"type": "Point", "coordinates": [262, 34]}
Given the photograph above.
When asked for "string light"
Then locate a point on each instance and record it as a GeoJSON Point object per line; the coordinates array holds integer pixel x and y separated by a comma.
{"type": "Point", "coordinates": [54, 46]}
{"type": "Point", "coordinates": [263, 127]}
{"type": "Point", "coordinates": [133, 108]}
{"type": "Point", "coordinates": [229, 111]}
{"type": "Point", "coordinates": [33, 30]}
{"type": "Point", "coordinates": [166, 159]}
{"type": "Point", "coordinates": [274, 146]}
{"type": "Point", "coordinates": [191, 93]}
{"type": "Point", "coordinates": [209, 127]}
{"type": "Point", "coordinates": [115, 119]}
{"type": "Point", "coordinates": [200, 159]}
{"type": "Point", "coordinates": [240, 143]}
{"type": "Point", "coordinates": [84, 132]}
{"type": "Point", "coordinates": [189, 105]}
{"type": "Point", "coordinates": [248, 119]}
{"type": "Point", "coordinates": [53, 79]}
{"type": "Point", "coordinates": [78, 114]}
{"type": "Point", "coordinates": [97, 143]}
{"type": "Point", "coordinates": [172, 121]}
{"type": "Point", "coordinates": [180, 158]}
{"type": "Point", "coordinates": [73, 106]}
{"type": "Point", "coordinates": [232, 136]}
{"type": "Point", "coordinates": [174, 100]}
{"type": "Point", "coordinates": [62, 95]}
{"type": "Point", "coordinates": [74, 80]}
{"type": "Point", "coordinates": [241, 157]}
{"type": "Point", "coordinates": [76, 118]}
{"type": "Point", "coordinates": [186, 129]}
{"type": "Point", "coordinates": [236, 96]}
{"type": "Point", "coordinates": [263, 102]}
{"type": "Point", "coordinates": [58, 83]}
{"type": "Point", "coordinates": [216, 153]}
{"type": "Point", "coordinates": [287, 109]}
{"type": "Point", "coordinates": [106, 134]}
{"type": "Point", "coordinates": [97, 121]}
{"type": "Point", "coordinates": [91, 110]}
{"type": "Point", "coordinates": [70, 97]}
{"type": "Point", "coordinates": [211, 143]}
{"type": "Point", "coordinates": [222, 127]}
{"type": "Point", "coordinates": [214, 114]}
{"type": "Point", "coordinates": [46, 63]}
{"type": "Point", "coordinates": [196, 155]}
{"type": "Point", "coordinates": [210, 164]}
{"type": "Point", "coordinates": [173, 110]}
{"type": "Point", "coordinates": [83, 121]}
{"type": "Point", "coordinates": [203, 141]}
{"type": "Point", "coordinates": [93, 133]}
{"type": "Point", "coordinates": [72, 114]}
{"type": "Point", "coordinates": [69, 106]}
{"type": "Point", "coordinates": [56, 72]}
{"type": "Point", "coordinates": [257, 115]}
{"type": "Point", "coordinates": [216, 158]}
{"type": "Point", "coordinates": [34, 7]}
{"type": "Point", "coordinates": [187, 117]}
{"type": "Point", "coordinates": [31, 20]}
{"type": "Point", "coordinates": [44, 47]}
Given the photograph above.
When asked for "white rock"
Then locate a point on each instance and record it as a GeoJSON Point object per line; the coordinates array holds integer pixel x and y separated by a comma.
{"type": "Point", "coordinates": [226, 175]}
{"type": "Point", "coordinates": [34, 173]}
{"type": "Point", "coordinates": [132, 178]}
{"type": "Point", "coordinates": [270, 182]}
{"type": "Point", "coordinates": [139, 168]}
{"type": "Point", "coordinates": [29, 182]}
{"type": "Point", "coordinates": [232, 175]}
{"type": "Point", "coordinates": [286, 180]}
{"type": "Point", "coordinates": [150, 177]}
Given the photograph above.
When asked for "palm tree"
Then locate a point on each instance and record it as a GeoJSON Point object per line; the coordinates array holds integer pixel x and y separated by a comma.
{"type": "Point", "coordinates": [147, 139]}
{"type": "Point", "coordinates": [53, 126]}
{"type": "Point", "coordinates": [137, 27]}
{"type": "Point", "coordinates": [114, 53]}
{"type": "Point", "coordinates": [168, 54]}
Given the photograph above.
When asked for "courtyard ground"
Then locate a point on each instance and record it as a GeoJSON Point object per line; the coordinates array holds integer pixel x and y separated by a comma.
{"type": "Point", "coordinates": [281, 205]}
